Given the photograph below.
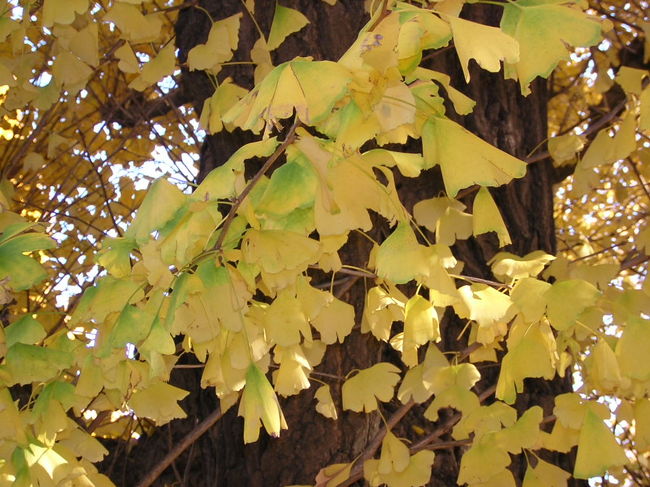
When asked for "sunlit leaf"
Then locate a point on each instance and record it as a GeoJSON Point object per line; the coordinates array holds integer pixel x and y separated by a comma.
{"type": "Point", "coordinates": [362, 391]}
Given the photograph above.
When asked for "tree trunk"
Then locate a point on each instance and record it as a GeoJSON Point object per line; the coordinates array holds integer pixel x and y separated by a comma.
{"type": "Point", "coordinates": [502, 117]}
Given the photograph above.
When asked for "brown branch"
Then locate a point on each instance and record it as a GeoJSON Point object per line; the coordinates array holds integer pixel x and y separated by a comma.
{"type": "Point", "coordinates": [357, 471]}
{"type": "Point", "coordinates": [291, 136]}
{"type": "Point", "coordinates": [185, 443]}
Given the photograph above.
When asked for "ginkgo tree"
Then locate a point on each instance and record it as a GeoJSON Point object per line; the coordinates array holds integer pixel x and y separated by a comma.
{"type": "Point", "coordinates": [414, 252]}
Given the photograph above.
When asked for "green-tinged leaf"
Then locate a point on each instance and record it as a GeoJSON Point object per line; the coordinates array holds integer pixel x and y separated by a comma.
{"type": "Point", "coordinates": [544, 29]}
{"type": "Point", "coordinates": [115, 256]}
{"type": "Point", "coordinates": [23, 272]}
{"type": "Point", "coordinates": [286, 21]}
{"type": "Point", "coordinates": [311, 88]}
{"type": "Point", "coordinates": [259, 404]}
{"type": "Point", "coordinates": [597, 449]}
{"type": "Point", "coordinates": [483, 460]}
{"type": "Point", "coordinates": [632, 349]}
{"type": "Point", "coordinates": [161, 204]}
{"type": "Point", "coordinates": [567, 299]}
{"type": "Point", "coordinates": [400, 257]}
{"type": "Point", "coordinates": [29, 363]}
{"type": "Point", "coordinates": [544, 474]}
{"type": "Point", "coordinates": [25, 330]}
{"type": "Point", "coordinates": [465, 159]}
{"type": "Point", "coordinates": [227, 180]}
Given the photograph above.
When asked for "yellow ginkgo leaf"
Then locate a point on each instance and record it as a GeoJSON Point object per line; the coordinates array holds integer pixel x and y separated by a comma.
{"type": "Point", "coordinates": [362, 391]}
{"type": "Point", "coordinates": [158, 401]}
{"type": "Point", "coordinates": [285, 321]}
{"type": "Point", "coordinates": [334, 321]}
{"type": "Point", "coordinates": [567, 299]}
{"type": "Point", "coordinates": [128, 62]}
{"type": "Point", "coordinates": [293, 374]}
{"type": "Point", "coordinates": [465, 159]}
{"type": "Point", "coordinates": [527, 297]}
{"type": "Point", "coordinates": [597, 449]}
{"type": "Point", "coordinates": [642, 424]}
{"type": "Point", "coordinates": [62, 11]}
{"type": "Point", "coordinates": [487, 217]}
{"type": "Point", "coordinates": [606, 149]}
{"type": "Point", "coordinates": [420, 327]}
{"type": "Point", "coordinates": [381, 309]}
{"type": "Point", "coordinates": [462, 103]}
{"type": "Point", "coordinates": [632, 349]}
{"type": "Point", "coordinates": [333, 475]}
{"type": "Point", "coordinates": [156, 69]}
{"type": "Point", "coordinates": [394, 455]}
{"type": "Point", "coordinates": [487, 45]}
{"type": "Point", "coordinates": [416, 383]}
{"type": "Point", "coordinates": [416, 474]}
{"type": "Point", "coordinates": [325, 404]}
{"type": "Point", "coordinates": [260, 404]}
{"type": "Point", "coordinates": [563, 148]}
{"type": "Point", "coordinates": [445, 217]}
{"type": "Point", "coordinates": [544, 474]}
{"type": "Point", "coordinates": [162, 202]}
{"type": "Point", "coordinates": [491, 309]}
{"type": "Point", "coordinates": [278, 250]}
{"type": "Point", "coordinates": [310, 87]}
{"type": "Point", "coordinates": [508, 267]}
{"type": "Point", "coordinates": [400, 257]}
{"type": "Point", "coordinates": [69, 70]}
{"type": "Point", "coordinates": [451, 386]}
{"type": "Point", "coordinates": [286, 21]}
{"type": "Point", "coordinates": [135, 26]}
{"type": "Point", "coordinates": [531, 353]}
{"type": "Point", "coordinates": [224, 98]}
{"type": "Point", "coordinates": [222, 41]}
{"type": "Point", "coordinates": [483, 460]}
{"type": "Point", "coordinates": [604, 372]}
{"type": "Point", "coordinates": [544, 30]}
{"type": "Point", "coordinates": [525, 433]}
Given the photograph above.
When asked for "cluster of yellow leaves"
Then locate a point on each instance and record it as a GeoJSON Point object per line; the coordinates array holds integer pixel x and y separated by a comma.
{"type": "Point", "coordinates": [232, 280]}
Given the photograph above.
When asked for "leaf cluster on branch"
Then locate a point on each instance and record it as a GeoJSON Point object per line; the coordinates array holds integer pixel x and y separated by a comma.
{"type": "Point", "coordinates": [110, 273]}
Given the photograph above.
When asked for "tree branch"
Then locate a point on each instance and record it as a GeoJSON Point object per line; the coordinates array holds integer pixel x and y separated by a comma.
{"type": "Point", "coordinates": [357, 471]}
{"type": "Point", "coordinates": [291, 136]}
{"type": "Point", "coordinates": [185, 443]}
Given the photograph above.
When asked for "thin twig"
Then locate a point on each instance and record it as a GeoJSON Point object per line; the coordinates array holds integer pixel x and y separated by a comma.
{"type": "Point", "coordinates": [291, 135]}
{"type": "Point", "coordinates": [357, 471]}
{"type": "Point", "coordinates": [184, 444]}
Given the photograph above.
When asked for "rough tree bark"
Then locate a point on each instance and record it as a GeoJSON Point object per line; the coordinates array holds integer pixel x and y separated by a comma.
{"type": "Point", "coordinates": [502, 116]}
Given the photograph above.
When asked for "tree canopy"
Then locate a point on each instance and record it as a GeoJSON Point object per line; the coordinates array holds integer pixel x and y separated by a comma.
{"type": "Point", "coordinates": [119, 259]}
